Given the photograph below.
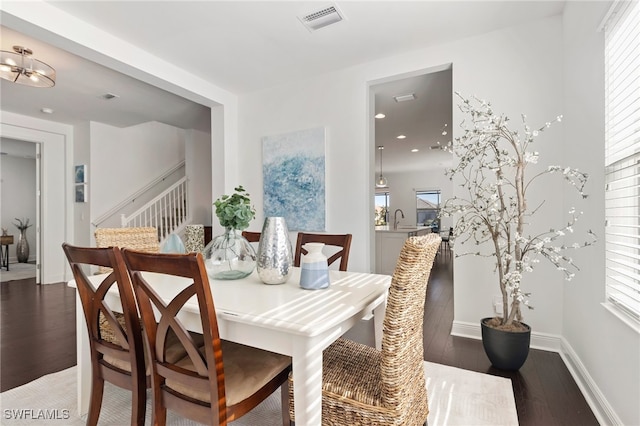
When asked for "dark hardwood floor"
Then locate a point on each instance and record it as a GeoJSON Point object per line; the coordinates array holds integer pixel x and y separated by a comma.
{"type": "Point", "coordinates": [37, 337]}
{"type": "Point", "coordinates": [37, 332]}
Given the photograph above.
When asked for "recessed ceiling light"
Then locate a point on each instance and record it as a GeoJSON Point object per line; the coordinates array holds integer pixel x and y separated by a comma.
{"type": "Point", "coordinates": [46, 110]}
{"type": "Point", "coordinates": [415, 150]}
{"type": "Point", "coordinates": [403, 98]}
{"type": "Point", "coordinates": [379, 115]}
{"type": "Point", "coordinates": [401, 137]}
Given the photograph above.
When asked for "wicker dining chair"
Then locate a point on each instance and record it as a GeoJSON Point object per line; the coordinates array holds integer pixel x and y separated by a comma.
{"type": "Point", "coordinates": [117, 356]}
{"type": "Point", "coordinates": [137, 238]}
{"type": "Point", "coordinates": [218, 381]}
{"type": "Point", "coordinates": [364, 386]}
{"type": "Point", "coordinates": [341, 241]}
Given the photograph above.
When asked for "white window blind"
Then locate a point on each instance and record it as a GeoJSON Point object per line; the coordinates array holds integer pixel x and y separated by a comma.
{"type": "Point", "coordinates": [622, 156]}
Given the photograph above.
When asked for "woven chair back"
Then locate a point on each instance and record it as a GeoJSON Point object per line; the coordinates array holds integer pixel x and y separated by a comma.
{"type": "Point", "coordinates": [136, 238]}
{"type": "Point", "coordinates": [402, 369]}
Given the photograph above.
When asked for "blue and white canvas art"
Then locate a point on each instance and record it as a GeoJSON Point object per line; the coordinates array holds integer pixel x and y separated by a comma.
{"type": "Point", "coordinates": [293, 168]}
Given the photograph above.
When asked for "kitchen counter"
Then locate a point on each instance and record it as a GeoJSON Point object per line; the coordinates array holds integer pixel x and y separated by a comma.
{"type": "Point", "coordinates": [389, 242]}
{"type": "Point", "coordinates": [405, 229]}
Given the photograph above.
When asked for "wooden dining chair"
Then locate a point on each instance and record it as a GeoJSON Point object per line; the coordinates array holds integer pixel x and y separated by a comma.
{"type": "Point", "coordinates": [117, 358]}
{"type": "Point", "coordinates": [340, 241]}
{"type": "Point", "coordinates": [365, 386]}
{"type": "Point", "coordinates": [215, 383]}
{"type": "Point", "coordinates": [252, 237]}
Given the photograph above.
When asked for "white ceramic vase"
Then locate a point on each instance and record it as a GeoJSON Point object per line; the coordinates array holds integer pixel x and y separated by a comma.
{"type": "Point", "coordinates": [314, 273]}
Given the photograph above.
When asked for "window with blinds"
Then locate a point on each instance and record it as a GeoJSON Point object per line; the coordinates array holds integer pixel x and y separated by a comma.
{"type": "Point", "coordinates": [622, 156]}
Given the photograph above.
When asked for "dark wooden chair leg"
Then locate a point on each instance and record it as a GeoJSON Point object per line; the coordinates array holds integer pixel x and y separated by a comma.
{"type": "Point", "coordinates": [97, 389]}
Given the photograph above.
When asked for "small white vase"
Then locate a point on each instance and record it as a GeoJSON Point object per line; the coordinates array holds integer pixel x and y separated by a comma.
{"type": "Point", "coordinates": [314, 273]}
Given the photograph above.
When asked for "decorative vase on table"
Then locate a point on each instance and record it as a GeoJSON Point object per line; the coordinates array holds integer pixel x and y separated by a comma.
{"type": "Point", "coordinates": [22, 247]}
{"type": "Point", "coordinates": [275, 256]}
{"type": "Point", "coordinates": [314, 273]}
{"type": "Point", "coordinates": [229, 256]}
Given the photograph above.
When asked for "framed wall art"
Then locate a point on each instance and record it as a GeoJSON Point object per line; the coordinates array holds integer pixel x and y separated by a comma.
{"type": "Point", "coordinates": [293, 168]}
{"type": "Point", "coordinates": [81, 193]}
{"type": "Point", "coordinates": [81, 173]}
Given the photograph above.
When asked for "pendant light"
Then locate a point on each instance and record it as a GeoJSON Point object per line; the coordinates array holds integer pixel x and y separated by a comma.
{"type": "Point", "coordinates": [382, 181]}
{"type": "Point", "coordinates": [21, 67]}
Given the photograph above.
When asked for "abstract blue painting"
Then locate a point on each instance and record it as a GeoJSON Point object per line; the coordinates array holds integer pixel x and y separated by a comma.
{"type": "Point", "coordinates": [293, 169]}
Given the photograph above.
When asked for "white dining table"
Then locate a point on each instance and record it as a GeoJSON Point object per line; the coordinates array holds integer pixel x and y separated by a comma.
{"type": "Point", "coordinates": [280, 318]}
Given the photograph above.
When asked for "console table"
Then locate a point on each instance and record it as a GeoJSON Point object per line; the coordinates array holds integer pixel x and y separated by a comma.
{"type": "Point", "coordinates": [5, 242]}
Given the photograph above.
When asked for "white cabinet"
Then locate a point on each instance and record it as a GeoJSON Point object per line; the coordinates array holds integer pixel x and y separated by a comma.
{"type": "Point", "coordinates": [389, 242]}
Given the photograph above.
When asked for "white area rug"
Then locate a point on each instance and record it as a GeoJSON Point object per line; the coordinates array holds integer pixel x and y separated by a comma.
{"type": "Point", "coordinates": [18, 271]}
{"type": "Point", "coordinates": [456, 397]}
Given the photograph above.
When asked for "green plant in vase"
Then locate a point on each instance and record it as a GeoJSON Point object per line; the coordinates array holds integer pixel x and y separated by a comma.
{"type": "Point", "coordinates": [230, 256]}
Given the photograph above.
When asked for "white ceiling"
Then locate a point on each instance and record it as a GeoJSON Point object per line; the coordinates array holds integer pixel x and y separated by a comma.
{"type": "Point", "coordinates": [244, 46]}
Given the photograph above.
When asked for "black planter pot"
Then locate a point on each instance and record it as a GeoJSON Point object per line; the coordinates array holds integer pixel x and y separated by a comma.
{"type": "Point", "coordinates": [507, 350]}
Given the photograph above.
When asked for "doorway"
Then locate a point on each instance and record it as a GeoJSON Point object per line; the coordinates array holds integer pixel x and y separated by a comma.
{"type": "Point", "coordinates": [411, 117]}
{"type": "Point", "coordinates": [21, 204]}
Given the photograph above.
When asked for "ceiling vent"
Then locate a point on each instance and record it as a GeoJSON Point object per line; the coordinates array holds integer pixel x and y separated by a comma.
{"type": "Point", "coordinates": [321, 18]}
{"type": "Point", "coordinates": [403, 98]}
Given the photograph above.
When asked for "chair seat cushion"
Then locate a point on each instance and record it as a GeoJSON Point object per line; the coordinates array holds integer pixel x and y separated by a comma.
{"type": "Point", "coordinates": [246, 370]}
{"type": "Point", "coordinates": [174, 352]}
{"type": "Point", "coordinates": [352, 370]}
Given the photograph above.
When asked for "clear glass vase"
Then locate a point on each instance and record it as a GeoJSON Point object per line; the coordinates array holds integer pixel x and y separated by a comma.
{"type": "Point", "coordinates": [229, 256]}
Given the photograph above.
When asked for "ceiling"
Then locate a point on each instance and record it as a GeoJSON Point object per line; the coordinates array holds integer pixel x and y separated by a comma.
{"type": "Point", "coordinates": [245, 46]}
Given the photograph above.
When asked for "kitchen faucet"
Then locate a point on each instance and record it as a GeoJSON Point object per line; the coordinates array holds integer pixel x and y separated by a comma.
{"type": "Point", "coordinates": [395, 218]}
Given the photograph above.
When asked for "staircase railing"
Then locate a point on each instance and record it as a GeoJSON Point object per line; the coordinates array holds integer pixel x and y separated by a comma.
{"type": "Point", "coordinates": [168, 212]}
{"type": "Point", "coordinates": [139, 194]}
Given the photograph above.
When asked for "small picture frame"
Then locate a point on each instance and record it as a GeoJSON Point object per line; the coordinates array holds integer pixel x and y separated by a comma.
{"type": "Point", "coordinates": [81, 173]}
{"type": "Point", "coordinates": [81, 193]}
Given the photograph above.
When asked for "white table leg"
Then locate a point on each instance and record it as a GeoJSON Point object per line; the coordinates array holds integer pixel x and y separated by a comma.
{"type": "Point", "coordinates": [307, 389]}
{"type": "Point", "coordinates": [83, 359]}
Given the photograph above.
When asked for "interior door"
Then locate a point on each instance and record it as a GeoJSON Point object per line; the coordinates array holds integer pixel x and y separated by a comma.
{"type": "Point", "coordinates": [38, 233]}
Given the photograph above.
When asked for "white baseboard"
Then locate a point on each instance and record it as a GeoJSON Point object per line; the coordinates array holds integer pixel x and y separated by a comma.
{"type": "Point", "coordinates": [592, 394]}
{"type": "Point", "coordinates": [544, 341]}
{"type": "Point", "coordinates": [601, 408]}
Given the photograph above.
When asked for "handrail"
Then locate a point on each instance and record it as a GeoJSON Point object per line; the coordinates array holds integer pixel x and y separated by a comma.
{"type": "Point", "coordinates": [132, 198]}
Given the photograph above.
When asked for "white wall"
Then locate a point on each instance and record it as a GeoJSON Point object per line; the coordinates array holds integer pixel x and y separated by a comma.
{"type": "Point", "coordinates": [603, 350]}
{"type": "Point", "coordinates": [18, 189]}
{"type": "Point", "coordinates": [125, 160]}
{"type": "Point", "coordinates": [81, 211]}
{"type": "Point", "coordinates": [495, 65]}
{"type": "Point", "coordinates": [198, 169]}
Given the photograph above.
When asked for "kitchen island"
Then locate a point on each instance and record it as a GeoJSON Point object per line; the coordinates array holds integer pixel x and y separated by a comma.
{"type": "Point", "coordinates": [389, 242]}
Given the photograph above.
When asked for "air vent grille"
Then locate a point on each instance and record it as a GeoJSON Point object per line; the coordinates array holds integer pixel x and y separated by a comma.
{"type": "Point", "coordinates": [321, 18]}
